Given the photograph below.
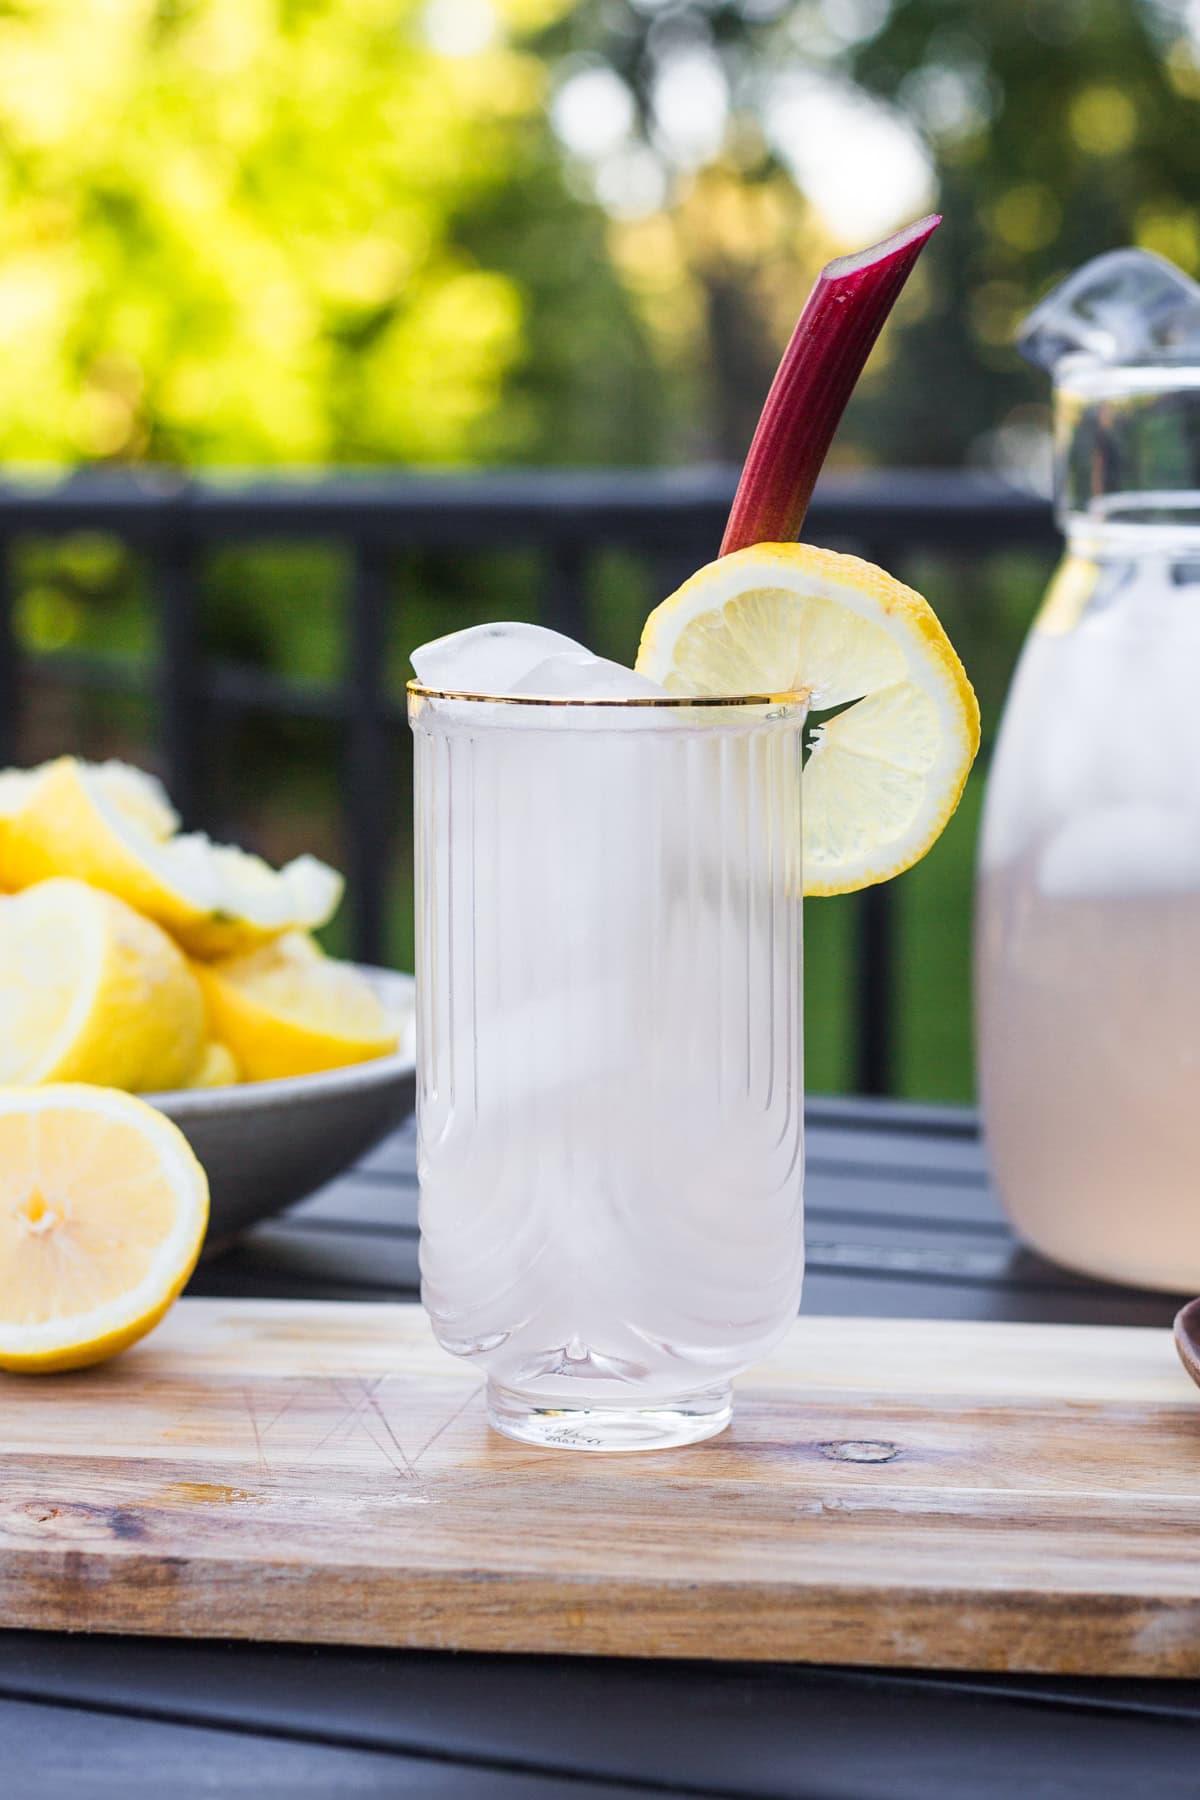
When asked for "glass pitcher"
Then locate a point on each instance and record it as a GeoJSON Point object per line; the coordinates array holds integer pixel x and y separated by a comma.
{"type": "Point", "coordinates": [1088, 910]}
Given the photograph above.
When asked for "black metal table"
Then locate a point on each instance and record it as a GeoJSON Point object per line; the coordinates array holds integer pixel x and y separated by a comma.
{"type": "Point", "coordinates": [902, 1222]}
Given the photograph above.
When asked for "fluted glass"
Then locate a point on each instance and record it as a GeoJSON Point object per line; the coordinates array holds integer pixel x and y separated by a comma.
{"type": "Point", "coordinates": [609, 1055]}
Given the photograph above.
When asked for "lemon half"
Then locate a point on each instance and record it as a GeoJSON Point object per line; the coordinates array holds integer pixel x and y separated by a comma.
{"type": "Point", "coordinates": [103, 1209]}
{"type": "Point", "coordinates": [884, 774]}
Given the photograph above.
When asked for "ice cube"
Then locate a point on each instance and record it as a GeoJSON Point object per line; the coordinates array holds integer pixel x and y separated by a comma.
{"type": "Point", "coordinates": [488, 659]}
{"type": "Point", "coordinates": [578, 675]}
{"type": "Point", "coordinates": [1125, 306]}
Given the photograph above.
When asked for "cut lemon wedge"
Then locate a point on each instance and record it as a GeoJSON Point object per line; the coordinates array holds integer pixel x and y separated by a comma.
{"type": "Point", "coordinates": [137, 795]}
{"type": "Point", "coordinates": [218, 1068]}
{"type": "Point", "coordinates": [103, 1209]}
{"type": "Point", "coordinates": [289, 1010]}
{"type": "Point", "coordinates": [885, 773]}
{"type": "Point", "coordinates": [71, 818]}
{"type": "Point", "coordinates": [91, 991]}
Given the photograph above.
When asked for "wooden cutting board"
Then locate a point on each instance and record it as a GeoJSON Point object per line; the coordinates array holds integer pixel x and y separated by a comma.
{"type": "Point", "coordinates": [892, 1492]}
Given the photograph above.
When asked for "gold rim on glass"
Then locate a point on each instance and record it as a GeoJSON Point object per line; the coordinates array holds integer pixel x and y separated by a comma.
{"type": "Point", "coordinates": [800, 697]}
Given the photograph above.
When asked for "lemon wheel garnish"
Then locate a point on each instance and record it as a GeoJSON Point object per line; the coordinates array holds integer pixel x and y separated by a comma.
{"type": "Point", "coordinates": [289, 1010]}
{"type": "Point", "coordinates": [886, 772]}
{"type": "Point", "coordinates": [91, 991]}
{"type": "Point", "coordinates": [113, 829]}
{"type": "Point", "coordinates": [103, 1209]}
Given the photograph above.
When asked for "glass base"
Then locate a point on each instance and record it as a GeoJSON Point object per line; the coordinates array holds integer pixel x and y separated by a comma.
{"type": "Point", "coordinates": [663, 1426]}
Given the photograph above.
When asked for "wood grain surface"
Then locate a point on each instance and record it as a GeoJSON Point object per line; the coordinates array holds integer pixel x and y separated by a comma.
{"type": "Point", "coordinates": [894, 1492]}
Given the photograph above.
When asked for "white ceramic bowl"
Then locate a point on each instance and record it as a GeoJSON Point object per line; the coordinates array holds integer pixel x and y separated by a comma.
{"type": "Point", "coordinates": [267, 1144]}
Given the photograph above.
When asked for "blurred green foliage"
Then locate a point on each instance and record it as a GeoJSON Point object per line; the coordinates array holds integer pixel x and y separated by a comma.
{"type": "Point", "coordinates": [1052, 130]}
{"type": "Point", "coordinates": [288, 231]}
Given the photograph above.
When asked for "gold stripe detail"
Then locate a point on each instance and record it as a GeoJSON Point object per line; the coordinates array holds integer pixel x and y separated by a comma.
{"type": "Point", "coordinates": [800, 697]}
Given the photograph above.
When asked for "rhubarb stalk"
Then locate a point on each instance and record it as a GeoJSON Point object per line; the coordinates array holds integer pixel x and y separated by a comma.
{"type": "Point", "coordinates": [832, 340]}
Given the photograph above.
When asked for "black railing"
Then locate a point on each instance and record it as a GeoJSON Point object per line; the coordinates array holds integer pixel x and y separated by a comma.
{"type": "Point", "coordinates": [673, 519]}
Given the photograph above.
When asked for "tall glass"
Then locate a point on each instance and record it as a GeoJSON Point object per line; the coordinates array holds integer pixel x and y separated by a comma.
{"type": "Point", "coordinates": [609, 1082]}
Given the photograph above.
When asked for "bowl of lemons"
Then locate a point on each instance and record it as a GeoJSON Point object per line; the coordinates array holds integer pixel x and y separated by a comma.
{"type": "Point", "coordinates": [138, 957]}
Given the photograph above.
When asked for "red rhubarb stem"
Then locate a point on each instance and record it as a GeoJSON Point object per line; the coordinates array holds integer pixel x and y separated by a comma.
{"type": "Point", "coordinates": [842, 318]}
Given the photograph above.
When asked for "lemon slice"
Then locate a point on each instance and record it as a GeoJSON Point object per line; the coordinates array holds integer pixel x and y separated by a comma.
{"type": "Point", "coordinates": [90, 991]}
{"type": "Point", "coordinates": [289, 1010]}
{"type": "Point", "coordinates": [884, 774]}
{"type": "Point", "coordinates": [103, 1209]}
{"type": "Point", "coordinates": [71, 818]}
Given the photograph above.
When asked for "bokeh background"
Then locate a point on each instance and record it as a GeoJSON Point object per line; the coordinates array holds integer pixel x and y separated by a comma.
{"type": "Point", "coordinates": [246, 235]}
